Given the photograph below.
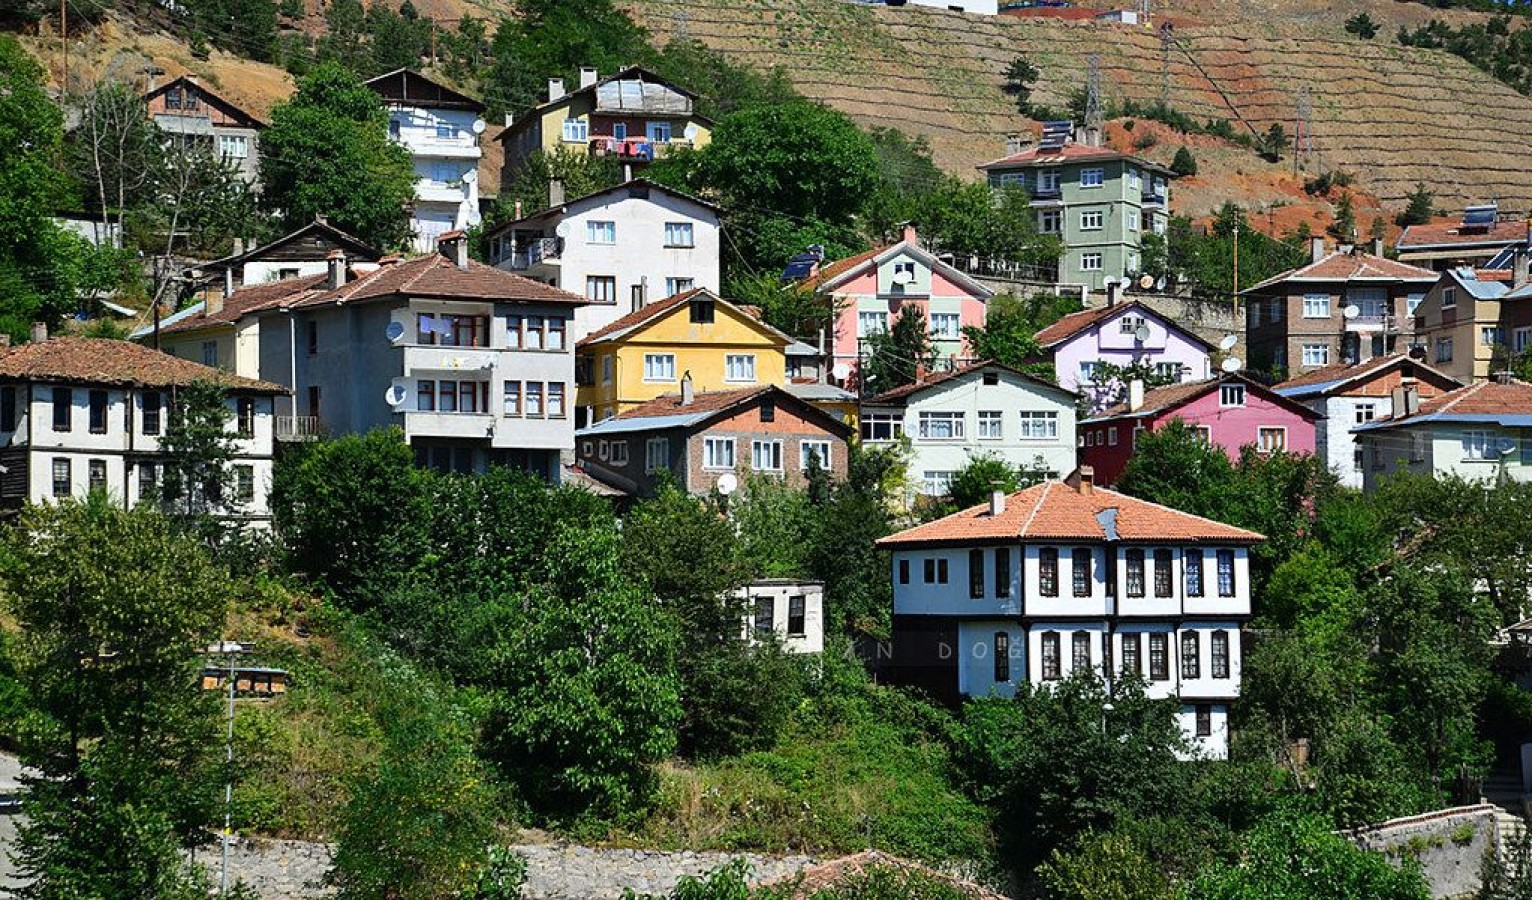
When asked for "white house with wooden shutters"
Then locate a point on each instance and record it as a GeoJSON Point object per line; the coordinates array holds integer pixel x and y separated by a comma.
{"type": "Point", "coordinates": [1066, 576]}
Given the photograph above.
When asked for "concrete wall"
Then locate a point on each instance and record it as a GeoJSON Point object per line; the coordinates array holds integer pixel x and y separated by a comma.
{"type": "Point", "coordinates": [1450, 844]}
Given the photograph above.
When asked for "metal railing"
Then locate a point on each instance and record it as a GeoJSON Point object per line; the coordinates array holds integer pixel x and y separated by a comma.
{"type": "Point", "coordinates": [298, 428]}
{"type": "Point", "coordinates": [535, 252]}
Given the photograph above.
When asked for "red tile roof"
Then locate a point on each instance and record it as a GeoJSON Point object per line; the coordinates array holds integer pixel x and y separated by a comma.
{"type": "Point", "coordinates": [248, 300]}
{"type": "Point", "coordinates": [1072, 324]}
{"type": "Point", "coordinates": [1482, 398]}
{"type": "Point", "coordinates": [1450, 234]}
{"type": "Point", "coordinates": [1071, 153]}
{"type": "Point", "coordinates": [832, 270]}
{"type": "Point", "coordinates": [1164, 399]}
{"type": "Point", "coordinates": [1347, 266]}
{"type": "Point", "coordinates": [1056, 511]}
{"type": "Point", "coordinates": [899, 393]}
{"type": "Point", "coordinates": [80, 360]}
{"type": "Point", "coordinates": [640, 316]}
{"type": "Point", "coordinates": [433, 275]}
{"type": "Point", "coordinates": [1343, 372]}
{"type": "Point", "coordinates": [702, 402]}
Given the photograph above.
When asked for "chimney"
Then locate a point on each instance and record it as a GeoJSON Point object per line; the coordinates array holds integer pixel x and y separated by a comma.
{"type": "Point", "coordinates": [1012, 144]}
{"type": "Point", "coordinates": [1411, 396]}
{"type": "Point", "coordinates": [1135, 395]}
{"type": "Point", "coordinates": [1520, 267]}
{"type": "Point", "coordinates": [555, 192]}
{"type": "Point", "coordinates": [1084, 480]}
{"type": "Point", "coordinates": [1113, 292]}
{"type": "Point", "coordinates": [5, 342]}
{"type": "Point", "coordinates": [1377, 246]}
{"type": "Point", "coordinates": [39, 332]}
{"type": "Point", "coordinates": [996, 502]}
{"type": "Point", "coordinates": [454, 246]}
{"type": "Point", "coordinates": [321, 218]}
{"type": "Point", "coordinates": [908, 235]}
{"type": "Point", "coordinates": [517, 213]}
{"type": "Point", "coordinates": [1316, 249]}
{"type": "Point", "coordinates": [228, 281]}
{"type": "Point", "coordinates": [335, 266]}
{"type": "Point", "coordinates": [687, 394]}
{"type": "Point", "coordinates": [555, 89]}
{"type": "Point", "coordinates": [587, 76]}
{"type": "Point", "coordinates": [510, 120]}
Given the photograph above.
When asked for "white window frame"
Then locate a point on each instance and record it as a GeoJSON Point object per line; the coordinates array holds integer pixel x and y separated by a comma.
{"type": "Point", "coordinates": [1491, 335]}
{"type": "Point", "coordinates": [1449, 297]}
{"type": "Point", "coordinates": [659, 367]}
{"type": "Point", "coordinates": [677, 284]}
{"type": "Point", "coordinates": [1316, 354]}
{"type": "Point", "coordinates": [936, 483]}
{"type": "Point", "coordinates": [1263, 435]}
{"type": "Point", "coordinates": [1091, 262]}
{"type": "Point", "coordinates": [739, 368]}
{"type": "Point", "coordinates": [1231, 395]}
{"type": "Point", "coordinates": [1050, 221]}
{"type": "Point", "coordinates": [772, 453]}
{"type": "Point", "coordinates": [1088, 369]}
{"type": "Point", "coordinates": [1048, 181]}
{"type": "Point", "coordinates": [680, 235]}
{"type": "Point", "coordinates": [1479, 445]}
{"type": "Point", "coordinates": [659, 132]}
{"type": "Point", "coordinates": [866, 319]}
{"type": "Point", "coordinates": [718, 454]}
{"type": "Point", "coordinates": [576, 131]}
{"type": "Point", "coordinates": [1039, 425]}
{"type": "Point", "coordinates": [991, 425]}
{"type": "Point", "coordinates": [1316, 306]}
{"type": "Point", "coordinates": [233, 146]}
{"type": "Point", "coordinates": [1092, 178]}
{"type": "Point", "coordinates": [825, 449]}
{"type": "Point", "coordinates": [946, 326]}
{"type": "Point", "coordinates": [1092, 220]}
{"type": "Point", "coordinates": [1363, 413]}
{"type": "Point", "coordinates": [601, 232]}
{"type": "Point", "coordinates": [954, 422]}
{"type": "Point", "coordinates": [1520, 339]}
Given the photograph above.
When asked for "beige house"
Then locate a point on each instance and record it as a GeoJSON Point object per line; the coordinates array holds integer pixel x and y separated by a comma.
{"type": "Point", "coordinates": [1471, 324]}
{"type": "Point", "coordinates": [189, 108]}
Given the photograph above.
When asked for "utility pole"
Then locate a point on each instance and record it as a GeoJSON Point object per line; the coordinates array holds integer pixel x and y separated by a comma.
{"type": "Point", "coordinates": [1093, 118]}
{"type": "Point", "coordinates": [1236, 270]}
{"type": "Point", "coordinates": [228, 787]}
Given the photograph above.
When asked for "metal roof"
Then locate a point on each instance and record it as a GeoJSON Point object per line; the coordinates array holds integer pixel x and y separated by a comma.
{"type": "Point", "coordinates": [641, 423]}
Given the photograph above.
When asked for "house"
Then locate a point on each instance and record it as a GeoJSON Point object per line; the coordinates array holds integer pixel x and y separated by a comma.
{"type": "Point", "coordinates": [1230, 411]}
{"type": "Point", "coordinates": [1342, 307]}
{"type": "Point", "coordinates": [647, 352]}
{"type": "Point", "coordinates": [620, 248]}
{"type": "Point", "coordinates": [1122, 335]}
{"type": "Point", "coordinates": [866, 292]}
{"type": "Point", "coordinates": [440, 127]}
{"type": "Point", "coordinates": [1474, 322]}
{"type": "Point", "coordinates": [706, 440]}
{"type": "Point", "coordinates": [1481, 432]}
{"type": "Point", "coordinates": [1472, 240]}
{"type": "Point", "coordinates": [980, 606]}
{"type": "Point", "coordinates": [1097, 200]}
{"type": "Point", "coordinates": [983, 408]}
{"type": "Point", "coordinates": [223, 333]}
{"type": "Point", "coordinates": [1348, 396]}
{"type": "Point", "coordinates": [81, 414]}
{"type": "Point", "coordinates": [785, 609]}
{"type": "Point", "coordinates": [298, 254]}
{"type": "Point", "coordinates": [186, 106]}
{"type": "Point", "coordinates": [634, 115]}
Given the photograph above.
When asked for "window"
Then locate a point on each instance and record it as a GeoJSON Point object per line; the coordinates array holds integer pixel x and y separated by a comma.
{"type": "Point", "coordinates": [1191, 646]}
{"type": "Point", "coordinates": [882, 426]}
{"type": "Point", "coordinates": [445, 132]}
{"type": "Point", "coordinates": [797, 608]}
{"type": "Point", "coordinates": [233, 146]}
{"type": "Point", "coordinates": [1129, 324]}
{"type": "Point", "coordinates": [1271, 440]}
{"type": "Point", "coordinates": [1092, 177]}
{"type": "Point", "coordinates": [512, 396]}
{"type": "Point", "coordinates": [941, 426]}
{"type": "Point", "coordinates": [766, 456]}
{"type": "Point", "coordinates": [63, 408]}
{"type": "Point", "coordinates": [718, 453]}
{"type": "Point", "coordinates": [244, 484]}
{"type": "Point", "coordinates": [1090, 262]}
{"type": "Point", "coordinates": [1365, 412]}
{"type": "Point", "coordinates": [1090, 220]}
{"type": "Point", "coordinates": [1204, 720]}
{"type": "Point", "coordinates": [1039, 425]}
{"type": "Point", "coordinates": [1111, 436]}
{"type": "Point", "coordinates": [148, 480]}
{"type": "Point", "coordinates": [1417, 449]}
{"type": "Point", "coordinates": [244, 409]}
{"type": "Point", "coordinates": [678, 285]}
{"type": "Point", "coordinates": [935, 570]}
{"type": "Point", "coordinates": [1162, 573]}
{"type": "Point", "coordinates": [512, 332]}
{"type": "Point", "coordinates": [1002, 572]}
{"type": "Point", "coordinates": [1048, 572]}
{"type": "Point", "coordinates": [1444, 349]}
{"type": "Point", "coordinates": [1231, 395]}
{"type": "Point", "coordinates": [765, 613]}
{"type": "Point", "coordinates": [601, 288]}
{"type": "Point", "coordinates": [7, 409]}
{"type": "Point", "coordinates": [1449, 297]}
{"type": "Point", "coordinates": [534, 399]}
{"type": "Point", "coordinates": [1274, 311]}
{"type": "Point", "coordinates": [976, 574]}
{"type": "Point", "coordinates": [1192, 559]}
{"type": "Point", "coordinates": [598, 232]}
{"type": "Point", "coordinates": [739, 367]}
{"type": "Point", "coordinates": [678, 234]}
{"type": "Point", "coordinates": [656, 454]}
{"type": "Point", "coordinates": [96, 474]}
{"type": "Point", "coordinates": [868, 323]}
{"type": "Point", "coordinates": [1220, 654]}
{"type": "Point", "coordinates": [556, 334]}
{"type": "Point", "coordinates": [818, 450]}
{"type": "Point", "coordinates": [1478, 445]}
{"type": "Point", "coordinates": [1520, 339]}
{"type": "Point", "coordinates": [904, 571]}
{"type": "Point", "coordinates": [659, 367]}
{"type": "Point", "coordinates": [991, 425]}
{"type": "Point", "coordinates": [936, 483]}
{"type": "Point", "coordinates": [1080, 651]}
{"type": "Point", "coordinates": [1491, 336]}
{"type": "Point", "coordinates": [1050, 221]}
{"type": "Point", "coordinates": [173, 98]}
{"type": "Point", "coordinates": [701, 311]}
{"type": "Point", "coordinates": [1048, 181]}
{"type": "Point", "coordinates": [1225, 573]}
{"type": "Point", "coordinates": [1316, 306]}
{"type": "Point", "coordinates": [394, 128]}
{"type": "Point", "coordinates": [1051, 656]}
{"type": "Point", "coordinates": [97, 412]}
{"type": "Point", "coordinates": [1132, 661]}
{"type": "Point", "coordinates": [619, 453]}
{"type": "Point", "coordinates": [1316, 354]}
{"type": "Point", "coordinates": [946, 326]}
{"type": "Point", "coordinates": [210, 353]}
{"type": "Point", "coordinates": [1134, 557]}
{"type": "Point", "coordinates": [659, 132]}
{"type": "Point", "coordinates": [555, 400]}
{"type": "Point", "coordinates": [61, 476]}
{"type": "Point", "coordinates": [313, 337]}
{"type": "Point", "coordinates": [1079, 563]}
{"type": "Point", "coordinates": [902, 277]}
{"type": "Point", "coordinates": [1159, 656]}
{"type": "Point", "coordinates": [576, 130]}
{"type": "Point", "coordinates": [1002, 657]}
{"type": "Point", "coordinates": [1088, 371]}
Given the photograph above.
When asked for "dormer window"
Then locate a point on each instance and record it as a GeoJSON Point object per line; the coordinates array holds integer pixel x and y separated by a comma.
{"type": "Point", "coordinates": [1231, 395]}
{"type": "Point", "coordinates": [701, 311]}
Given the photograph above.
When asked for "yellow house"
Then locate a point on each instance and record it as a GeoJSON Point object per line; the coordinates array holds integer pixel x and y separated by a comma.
{"type": "Point", "coordinates": [645, 353]}
{"type": "Point", "coordinates": [634, 115]}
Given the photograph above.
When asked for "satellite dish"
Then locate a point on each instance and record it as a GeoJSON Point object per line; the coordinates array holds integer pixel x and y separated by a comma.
{"type": "Point", "coordinates": [394, 331]}
{"type": "Point", "coordinates": [1141, 334]}
{"type": "Point", "coordinates": [561, 229]}
{"type": "Point", "coordinates": [479, 125]}
{"type": "Point", "coordinates": [841, 371]}
{"type": "Point", "coordinates": [1507, 445]}
{"type": "Point", "coordinates": [470, 176]}
{"type": "Point", "coordinates": [1160, 284]}
{"type": "Point", "coordinates": [1231, 365]}
{"type": "Point", "coordinates": [1228, 342]}
{"type": "Point", "coordinates": [728, 483]}
{"type": "Point", "coordinates": [395, 395]}
{"type": "Point", "coordinates": [474, 219]}
{"type": "Point", "coordinates": [1146, 282]}
{"type": "Point", "coordinates": [1351, 311]}
{"type": "Point", "coordinates": [904, 276]}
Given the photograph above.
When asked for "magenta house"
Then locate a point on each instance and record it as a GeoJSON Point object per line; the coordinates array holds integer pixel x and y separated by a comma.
{"type": "Point", "coordinates": [867, 292]}
{"type": "Point", "coordinates": [1231, 411]}
{"type": "Point", "coordinates": [1121, 334]}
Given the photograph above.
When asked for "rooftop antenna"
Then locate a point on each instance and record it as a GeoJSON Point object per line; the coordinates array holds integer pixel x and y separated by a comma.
{"type": "Point", "coordinates": [1093, 122]}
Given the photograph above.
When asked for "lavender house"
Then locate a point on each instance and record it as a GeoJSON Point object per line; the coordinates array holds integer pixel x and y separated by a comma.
{"type": "Point", "coordinates": [1121, 334]}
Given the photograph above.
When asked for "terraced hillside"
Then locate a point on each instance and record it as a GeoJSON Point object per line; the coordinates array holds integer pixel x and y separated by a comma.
{"type": "Point", "coordinates": [1392, 115]}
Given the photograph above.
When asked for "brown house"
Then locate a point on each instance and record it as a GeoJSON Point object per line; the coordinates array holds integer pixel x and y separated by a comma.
{"type": "Point", "coordinates": [187, 107]}
{"type": "Point", "coordinates": [701, 437]}
{"type": "Point", "coordinates": [1475, 239]}
{"type": "Point", "coordinates": [1343, 307]}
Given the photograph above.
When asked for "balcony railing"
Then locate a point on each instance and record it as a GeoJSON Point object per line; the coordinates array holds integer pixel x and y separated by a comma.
{"type": "Point", "coordinates": [540, 250]}
{"type": "Point", "coordinates": [1153, 198]}
{"type": "Point", "coordinates": [298, 428]}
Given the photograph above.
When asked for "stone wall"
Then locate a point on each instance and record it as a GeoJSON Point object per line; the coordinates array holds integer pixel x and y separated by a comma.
{"type": "Point", "coordinates": [1450, 844]}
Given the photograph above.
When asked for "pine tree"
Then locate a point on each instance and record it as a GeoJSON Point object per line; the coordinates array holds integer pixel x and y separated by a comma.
{"type": "Point", "coordinates": [1184, 163]}
{"type": "Point", "coordinates": [1419, 209]}
{"type": "Point", "coordinates": [1344, 226]}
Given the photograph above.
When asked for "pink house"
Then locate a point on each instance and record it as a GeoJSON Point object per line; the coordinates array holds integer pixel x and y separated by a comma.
{"type": "Point", "coordinates": [1122, 334]}
{"type": "Point", "coordinates": [1231, 412]}
{"type": "Point", "coordinates": [868, 291]}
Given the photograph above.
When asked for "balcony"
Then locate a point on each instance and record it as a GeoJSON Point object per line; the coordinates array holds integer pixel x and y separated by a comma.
{"type": "Point", "coordinates": [1152, 197]}
{"type": "Point", "coordinates": [298, 428]}
{"type": "Point", "coordinates": [443, 148]}
{"type": "Point", "coordinates": [540, 250]}
{"type": "Point", "coordinates": [449, 425]}
{"type": "Point", "coordinates": [1373, 322]}
{"type": "Point", "coordinates": [464, 361]}
{"type": "Point", "coordinates": [440, 191]}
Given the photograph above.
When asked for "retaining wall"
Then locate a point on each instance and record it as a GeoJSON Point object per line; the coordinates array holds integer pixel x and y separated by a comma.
{"type": "Point", "coordinates": [1450, 844]}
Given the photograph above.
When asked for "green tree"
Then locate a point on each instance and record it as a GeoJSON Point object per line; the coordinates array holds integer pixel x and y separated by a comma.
{"type": "Point", "coordinates": [1274, 142]}
{"type": "Point", "coordinates": [1362, 25]}
{"type": "Point", "coordinates": [1420, 205]}
{"type": "Point", "coordinates": [1007, 334]}
{"type": "Point", "coordinates": [1020, 76]}
{"type": "Point", "coordinates": [1183, 163]}
{"type": "Point", "coordinates": [985, 473]}
{"type": "Point", "coordinates": [198, 447]}
{"type": "Point", "coordinates": [553, 38]}
{"type": "Point", "coordinates": [898, 356]}
{"type": "Point", "coordinates": [1105, 866]}
{"type": "Point", "coordinates": [1343, 228]}
{"type": "Point", "coordinates": [327, 151]}
{"type": "Point", "coordinates": [114, 610]}
{"type": "Point", "coordinates": [1507, 875]}
{"type": "Point", "coordinates": [580, 174]}
{"type": "Point", "coordinates": [1297, 858]}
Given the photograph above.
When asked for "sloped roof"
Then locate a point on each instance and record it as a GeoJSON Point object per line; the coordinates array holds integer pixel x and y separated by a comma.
{"type": "Point", "coordinates": [667, 411]}
{"type": "Point", "coordinates": [1355, 266]}
{"type": "Point", "coordinates": [1161, 400]}
{"type": "Point", "coordinates": [832, 270]}
{"type": "Point", "coordinates": [396, 87]}
{"type": "Point", "coordinates": [1449, 234]}
{"type": "Point", "coordinates": [1329, 379]}
{"type": "Point", "coordinates": [619, 75]}
{"type": "Point", "coordinates": [1482, 284]}
{"type": "Point", "coordinates": [363, 250]}
{"type": "Point", "coordinates": [1071, 152]}
{"type": "Point", "coordinates": [241, 303]}
{"type": "Point", "coordinates": [187, 81]}
{"type": "Point", "coordinates": [433, 275]}
{"type": "Point", "coordinates": [635, 321]}
{"type": "Point", "coordinates": [1057, 511]}
{"type": "Point", "coordinates": [832, 275]}
{"type": "Point", "coordinates": [1486, 402]}
{"type": "Point", "coordinates": [1077, 322]}
{"type": "Point", "coordinates": [898, 394]}
{"type": "Point", "coordinates": [554, 212]}
{"type": "Point", "coordinates": [80, 360]}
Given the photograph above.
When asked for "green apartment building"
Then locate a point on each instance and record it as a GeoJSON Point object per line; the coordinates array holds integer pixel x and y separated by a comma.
{"type": "Point", "coordinates": [1098, 201]}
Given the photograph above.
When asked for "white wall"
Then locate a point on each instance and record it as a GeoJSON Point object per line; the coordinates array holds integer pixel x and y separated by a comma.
{"type": "Point", "coordinates": [443, 200]}
{"type": "Point", "coordinates": [1333, 438]}
{"type": "Point", "coordinates": [979, 7]}
{"type": "Point", "coordinates": [780, 592]}
{"type": "Point", "coordinates": [976, 657]}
